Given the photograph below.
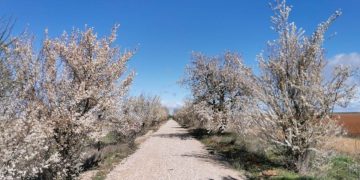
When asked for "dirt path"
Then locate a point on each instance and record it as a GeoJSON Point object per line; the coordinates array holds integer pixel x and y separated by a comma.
{"type": "Point", "coordinates": [171, 153]}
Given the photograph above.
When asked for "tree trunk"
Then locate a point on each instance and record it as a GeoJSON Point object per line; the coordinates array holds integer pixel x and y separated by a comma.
{"type": "Point", "coordinates": [304, 162]}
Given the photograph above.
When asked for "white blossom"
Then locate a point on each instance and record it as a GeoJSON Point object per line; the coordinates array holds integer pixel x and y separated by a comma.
{"type": "Point", "coordinates": [57, 101]}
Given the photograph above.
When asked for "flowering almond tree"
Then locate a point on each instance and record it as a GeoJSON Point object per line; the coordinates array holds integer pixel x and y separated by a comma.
{"type": "Point", "coordinates": [187, 115]}
{"type": "Point", "coordinates": [295, 101]}
{"type": "Point", "coordinates": [141, 113]}
{"type": "Point", "coordinates": [5, 42]}
{"type": "Point", "coordinates": [61, 99]}
{"type": "Point", "coordinates": [217, 86]}
{"type": "Point", "coordinates": [23, 133]}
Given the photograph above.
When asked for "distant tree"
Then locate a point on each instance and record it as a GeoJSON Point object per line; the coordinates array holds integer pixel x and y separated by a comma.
{"type": "Point", "coordinates": [141, 113]}
{"type": "Point", "coordinates": [217, 85]}
{"type": "Point", "coordinates": [187, 116]}
{"type": "Point", "coordinates": [295, 101]}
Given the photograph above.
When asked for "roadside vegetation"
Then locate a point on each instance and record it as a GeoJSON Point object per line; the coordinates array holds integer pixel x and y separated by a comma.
{"type": "Point", "coordinates": [146, 114]}
{"type": "Point", "coordinates": [64, 109]}
{"type": "Point", "coordinates": [276, 123]}
{"type": "Point", "coordinates": [258, 161]}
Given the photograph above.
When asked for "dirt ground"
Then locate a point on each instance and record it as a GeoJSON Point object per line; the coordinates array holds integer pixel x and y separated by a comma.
{"type": "Point", "coordinates": [351, 122]}
{"type": "Point", "coordinates": [171, 153]}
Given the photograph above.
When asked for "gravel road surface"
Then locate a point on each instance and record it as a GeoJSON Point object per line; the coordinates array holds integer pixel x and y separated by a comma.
{"type": "Point", "coordinates": [172, 154]}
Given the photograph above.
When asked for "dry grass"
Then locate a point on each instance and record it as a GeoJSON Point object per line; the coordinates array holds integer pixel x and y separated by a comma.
{"type": "Point", "coordinates": [114, 152]}
{"type": "Point", "coordinates": [347, 145]}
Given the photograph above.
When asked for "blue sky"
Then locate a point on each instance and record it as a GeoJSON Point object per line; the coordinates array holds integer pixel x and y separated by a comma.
{"type": "Point", "coordinates": [167, 31]}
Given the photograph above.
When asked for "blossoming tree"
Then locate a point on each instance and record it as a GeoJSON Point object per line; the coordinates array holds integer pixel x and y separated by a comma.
{"type": "Point", "coordinates": [61, 99]}
{"type": "Point", "coordinates": [294, 101]}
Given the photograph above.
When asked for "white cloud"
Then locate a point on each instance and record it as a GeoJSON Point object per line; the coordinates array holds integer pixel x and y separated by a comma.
{"type": "Point", "coordinates": [354, 105]}
{"type": "Point", "coordinates": [353, 61]}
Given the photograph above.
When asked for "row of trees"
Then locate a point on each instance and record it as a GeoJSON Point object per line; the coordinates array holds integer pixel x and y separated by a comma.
{"type": "Point", "coordinates": [289, 104]}
{"type": "Point", "coordinates": [142, 112]}
{"type": "Point", "coordinates": [56, 102]}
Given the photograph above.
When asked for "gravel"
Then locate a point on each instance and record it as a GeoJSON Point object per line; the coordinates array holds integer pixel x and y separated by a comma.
{"type": "Point", "coordinates": [171, 153]}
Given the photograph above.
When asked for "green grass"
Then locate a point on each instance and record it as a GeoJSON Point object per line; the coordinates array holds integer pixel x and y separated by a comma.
{"type": "Point", "coordinates": [112, 158]}
{"type": "Point", "coordinates": [110, 138]}
{"type": "Point", "coordinates": [290, 175]}
{"type": "Point", "coordinates": [252, 157]}
{"type": "Point", "coordinates": [245, 155]}
{"type": "Point", "coordinates": [343, 167]}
